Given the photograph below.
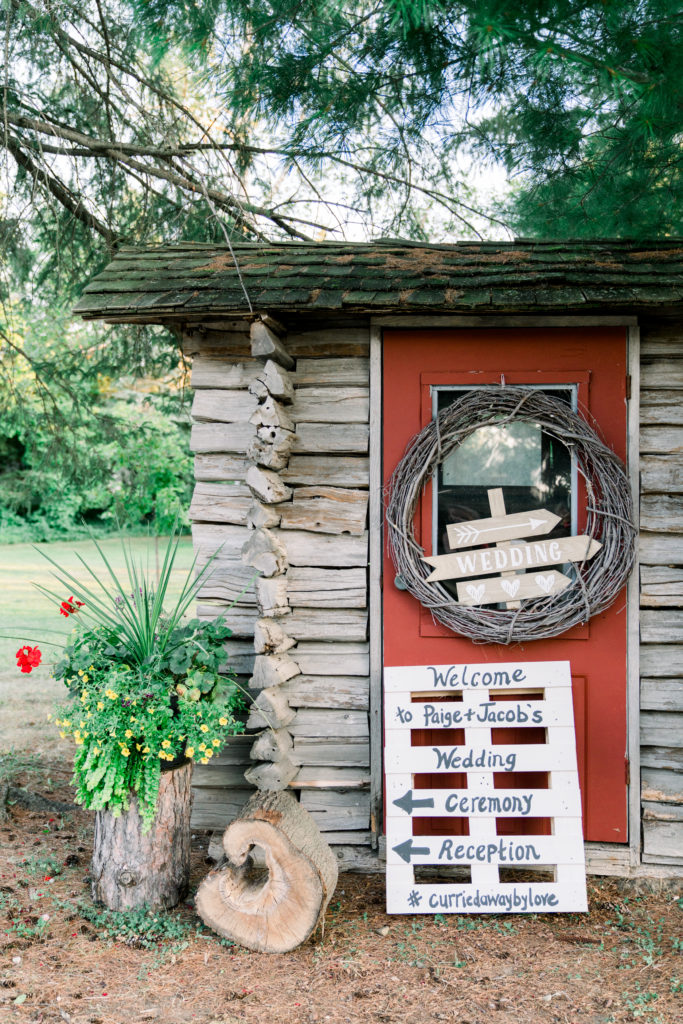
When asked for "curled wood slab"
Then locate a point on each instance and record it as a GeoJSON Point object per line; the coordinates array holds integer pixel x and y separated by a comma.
{"type": "Point", "coordinates": [270, 907]}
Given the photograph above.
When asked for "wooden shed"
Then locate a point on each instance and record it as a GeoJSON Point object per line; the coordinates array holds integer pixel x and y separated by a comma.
{"type": "Point", "coordinates": [313, 366]}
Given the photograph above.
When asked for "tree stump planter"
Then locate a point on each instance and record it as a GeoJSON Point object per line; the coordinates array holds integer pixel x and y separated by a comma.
{"type": "Point", "coordinates": [131, 868]}
{"type": "Point", "coordinates": [276, 907]}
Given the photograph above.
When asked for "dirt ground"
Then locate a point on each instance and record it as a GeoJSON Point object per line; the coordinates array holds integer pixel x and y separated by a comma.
{"type": "Point", "coordinates": [61, 959]}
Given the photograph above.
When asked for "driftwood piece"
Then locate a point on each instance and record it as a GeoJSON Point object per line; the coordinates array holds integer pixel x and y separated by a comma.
{"type": "Point", "coordinates": [272, 776]}
{"type": "Point", "coordinates": [270, 638]}
{"type": "Point", "coordinates": [266, 485]}
{"type": "Point", "coordinates": [264, 552]}
{"type": "Point", "coordinates": [276, 910]}
{"type": "Point", "coordinates": [131, 868]}
{"type": "Point", "coordinates": [266, 345]}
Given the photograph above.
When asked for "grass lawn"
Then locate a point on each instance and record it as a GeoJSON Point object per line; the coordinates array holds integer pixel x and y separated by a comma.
{"type": "Point", "coordinates": [27, 616]}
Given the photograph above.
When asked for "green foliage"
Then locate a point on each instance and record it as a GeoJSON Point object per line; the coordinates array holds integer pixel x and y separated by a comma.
{"type": "Point", "coordinates": [93, 430]}
{"type": "Point", "coordinates": [144, 685]}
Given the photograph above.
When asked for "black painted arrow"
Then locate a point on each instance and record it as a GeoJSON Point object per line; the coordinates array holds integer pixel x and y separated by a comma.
{"type": "Point", "coordinates": [407, 804]}
{"type": "Point", "coordinates": [407, 850]}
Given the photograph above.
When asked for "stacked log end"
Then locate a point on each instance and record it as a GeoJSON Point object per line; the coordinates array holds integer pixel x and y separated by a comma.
{"type": "Point", "coordinates": [295, 503]}
{"type": "Point", "coordinates": [268, 454]}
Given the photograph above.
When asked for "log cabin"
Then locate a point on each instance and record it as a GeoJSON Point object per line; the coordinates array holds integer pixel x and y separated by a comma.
{"type": "Point", "coordinates": [313, 366]}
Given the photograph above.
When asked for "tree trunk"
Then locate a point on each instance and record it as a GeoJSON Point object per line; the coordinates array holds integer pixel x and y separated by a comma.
{"type": "Point", "coordinates": [275, 907]}
{"type": "Point", "coordinates": [131, 868]}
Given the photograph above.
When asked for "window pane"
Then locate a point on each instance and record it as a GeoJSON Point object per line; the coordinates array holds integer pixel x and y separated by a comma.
{"type": "Point", "coordinates": [534, 470]}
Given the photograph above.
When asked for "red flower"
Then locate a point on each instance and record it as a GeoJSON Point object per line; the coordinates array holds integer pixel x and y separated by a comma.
{"type": "Point", "coordinates": [70, 607]}
{"type": "Point", "coordinates": [28, 658]}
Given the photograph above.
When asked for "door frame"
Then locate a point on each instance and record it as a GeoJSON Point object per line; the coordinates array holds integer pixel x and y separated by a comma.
{"type": "Point", "coordinates": [601, 858]}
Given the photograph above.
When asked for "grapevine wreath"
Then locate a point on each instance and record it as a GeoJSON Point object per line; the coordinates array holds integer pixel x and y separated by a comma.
{"type": "Point", "coordinates": [609, 510]}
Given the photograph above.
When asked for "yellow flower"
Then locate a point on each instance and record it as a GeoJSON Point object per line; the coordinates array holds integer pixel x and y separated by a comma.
{"type": "Point", "coordinates": [57, 721]}
{"type": "Point", "coordinates": [62, 734]}
{"type": "Point", "coordinates": [82, 724]}
{"type": "Point", "coordinates": [204, 727]}
{"type": "Point", "coordinates": [91, 669]}
{"type": "Point", "coordinates": [145, 750]}
{"type": "Point", "coordinates": [216, 743]}
{"type": "Point", "coordinates": [222, 721]}
{"type": "Point", "coordinates": [81, 672]}
{"type": "Point", "coordinates": [96, 750]}
{"type": "Point", "coordinates": [166, 744]}
{"type": "Point", "coordinates": [202, 746]}
{"type": "Point", "coordinates": [204, 760]}
{"type": "Point", "coordinates": [110, 694]}
{"type": "Point", "coordinates": [150, 711]}
{"type": "Point", "coordinates": [128, 734]}
{"type": "Point", "coordinates": [89, 714]}
{"type": "Point", "coordinates": [190, 751]}
{"type": "Point", "coordinates": [125, 751]}
{"type": "Point", "coordinates": [138, 746]}
{"type": "Point", "coordinates": [84, 695]}
{"type": "Point", "coordinates": [100, 706]}
{"type": "Point", "coordinates": [66, 722]}
{"type": "Point", "coordinates": [85, 678]}
{"type": "Point", "coordinates": [208, 753]}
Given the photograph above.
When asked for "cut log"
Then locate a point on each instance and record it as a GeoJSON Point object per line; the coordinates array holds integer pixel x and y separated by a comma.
{"type": "Point", "coordinates": [208, 372]}
{"type": "Point", "coordinates": [270, 710]}
{"type": "Point", "coordinates": [221, 437]}
{"type": "Point", "coordinates": [271, 413]}
{"type": "Point", "coordinates": [271, 745]}
{"type": "Point", "coordinates": [272, 670]}
{"type": "Point", "coordinates": [324, 550]}
{"type": "Point", "coordinates": [270, 638]}
{"type": "Point", "coordinates": [331, 405]}
{"type": "Point", "coordinates": [262, 517]}
{"type": "Point", "coordinates": [326, 510]}
{"type": "Point", "coordinates": [311, 587]}
{"type": "Point", "coordinates": [266, 345]}
{"type": "Point", "coordinates": [220, 503]}
{"type": "Point", "coordinates": [273, 380]}
{"type": "Point", "coordinates": [273, 912]}
{"type": "Point", "coordinates": [267, 486]}
{"type": "Point", "coordinates": [218, 406]}
{"type": "Point", "coordinates": [334, 470]}
{"type": "Point", "coordinates": [226, 468]}
{"type": "Point", "coordinates": [331, 437]}
{"type": "Point", "coordinates": [332, 372]}
{"type": "Point", "coordinates": [661, 513]}
{"type": "Point", "coordinates": [271, 595]}
{"type": "Point", "coordinates": [345, 692]}
{"type": "Point", "coordinates": [131, 867]}
{"type": "Point", "coordinates": [272, 776]}
{"type": "Point", "coordinates": [264, 552]}
{"type": "Point", "coordinates": [271, 455]}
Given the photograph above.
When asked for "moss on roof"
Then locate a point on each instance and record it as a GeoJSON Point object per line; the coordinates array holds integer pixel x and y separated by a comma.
{"type": "Point", "coordinates": [164, 282]}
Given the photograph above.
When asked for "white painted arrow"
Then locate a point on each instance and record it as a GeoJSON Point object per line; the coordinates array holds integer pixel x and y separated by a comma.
{"type": "Point", "coordinates": [518, 524]}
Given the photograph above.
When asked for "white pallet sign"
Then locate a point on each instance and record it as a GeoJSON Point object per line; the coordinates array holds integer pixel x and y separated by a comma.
{"type": "Point", "coordinates": [537, 695]}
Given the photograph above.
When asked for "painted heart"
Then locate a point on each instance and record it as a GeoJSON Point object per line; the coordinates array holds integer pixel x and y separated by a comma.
{"type": "Point", "coordinates": [545, 583]}
{"type": "Point", "coordinates": [476, 593]}
{"type": "Point", "coordinates": [510, 586]}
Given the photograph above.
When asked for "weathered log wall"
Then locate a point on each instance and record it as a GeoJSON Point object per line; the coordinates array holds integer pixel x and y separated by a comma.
{"type": "Point", "coordinates": [281, 440]}
{"type": "Point", "coordinates": [314, 443]}
{"type": "Point", "coordinates": [661, 594]}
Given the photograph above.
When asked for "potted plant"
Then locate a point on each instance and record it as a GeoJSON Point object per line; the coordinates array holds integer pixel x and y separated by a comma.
{"type": "Point", "coordinates": [145, 698]}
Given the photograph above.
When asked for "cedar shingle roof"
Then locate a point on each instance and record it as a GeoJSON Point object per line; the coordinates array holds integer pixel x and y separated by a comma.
{"type": "Point", "coordinates": [187, 281]}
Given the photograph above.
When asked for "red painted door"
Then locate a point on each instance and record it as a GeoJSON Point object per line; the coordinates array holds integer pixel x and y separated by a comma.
{"type": "Point", "coordinates": [591, 363]}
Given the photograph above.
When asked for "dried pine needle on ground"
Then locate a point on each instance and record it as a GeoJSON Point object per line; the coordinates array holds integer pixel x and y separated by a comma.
{"type": "Point", "coordinates": [62, 959]}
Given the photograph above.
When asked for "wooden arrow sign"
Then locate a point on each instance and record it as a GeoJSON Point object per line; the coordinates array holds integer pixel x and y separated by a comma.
{"type": "Point", "coordinates": [495, 589]}
{"type": "Point", "coordinates": [508, 557]}
{"type": "Point", "coordinates": [488, 531]}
